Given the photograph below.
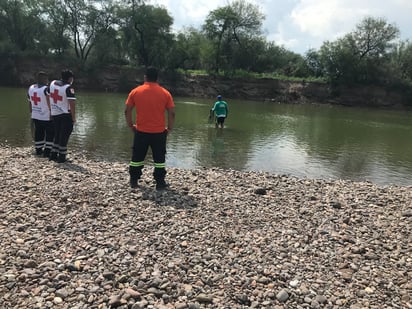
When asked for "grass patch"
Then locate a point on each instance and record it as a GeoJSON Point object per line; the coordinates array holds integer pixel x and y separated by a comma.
{"type": "Point", "coordinates": [254, 75]}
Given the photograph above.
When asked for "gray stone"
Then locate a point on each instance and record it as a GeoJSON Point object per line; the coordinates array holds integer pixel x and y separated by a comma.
{"type": "Point", "coordinates": [113, 247]}
{"type": "Point", "coordinates": [282, 295]}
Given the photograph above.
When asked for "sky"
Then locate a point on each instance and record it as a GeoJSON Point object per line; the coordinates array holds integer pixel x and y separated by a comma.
{"type": "Point", "coordinates": [300, 25]}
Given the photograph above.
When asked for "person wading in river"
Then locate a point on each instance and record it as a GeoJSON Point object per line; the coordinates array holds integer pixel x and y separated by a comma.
{"type": "Point", "coordinates": [221, 111]}
{"type": "Point", "coordinates": [38, 97]}
{"type": "Point", "coordinates": [150, 101]}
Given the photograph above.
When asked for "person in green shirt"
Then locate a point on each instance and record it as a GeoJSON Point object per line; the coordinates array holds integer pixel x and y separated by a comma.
{"type": "Point", "coordinates": [220, 110]}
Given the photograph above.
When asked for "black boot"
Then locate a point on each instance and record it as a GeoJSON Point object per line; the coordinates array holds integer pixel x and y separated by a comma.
{"type": "Point", "coordinates": [161, 184]}
{"type": "Point", "coordinates": [39, 151]}
{"type": "Point", "coordinates": [135, 172]}
{"type": "Point", "coordinates": [133, 183]}
{"type": "Point", "coordinates": [46, 153]}
{"type": "Point", "coordinates": [53, 156]}
{"type": "Point", "coordinates": [62, 158]}
{"type": "Point", "coordinates": [159, 175]}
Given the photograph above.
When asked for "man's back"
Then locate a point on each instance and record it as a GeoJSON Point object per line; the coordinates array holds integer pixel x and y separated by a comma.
{"type": "Point", "coordinates": [150, 101]}
{"type": "Point", "coordinates": [220, 109]}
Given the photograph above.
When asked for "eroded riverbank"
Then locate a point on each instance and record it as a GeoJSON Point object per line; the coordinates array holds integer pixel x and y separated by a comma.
{"type": "Point", "coordinates": [76, 236]}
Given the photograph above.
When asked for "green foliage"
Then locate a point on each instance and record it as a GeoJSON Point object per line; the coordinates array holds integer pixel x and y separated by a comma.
{"type": "Point", "coordinates": [231, 30]}
{"type": "Point", "coordinates": [338, 62]}
{"type": "Point", "coordinates": [359, 57]}
{"type": "Point", "coordinates": [58, 20]}
{"type": "Point", "coordinates": [8, 76]}
{"type": "Point", "coordinates": [188, 50]}
{"type": "Point", "coordinates": [20, 24]}
{"type": "Point", "coordinates": [247, 74]}
{"type": "Point", "coordinates": [401, 61]}
{"type": "Point", "coordinates": [147, 33]}
{"type": "Point", "coordinates": [92, 34]}
{"type": "Point", "coordinates": [372, 38]}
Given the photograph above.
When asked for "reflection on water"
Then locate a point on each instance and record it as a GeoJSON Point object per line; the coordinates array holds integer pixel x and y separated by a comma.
{"type": "Point", "coordinates": [301, 140]}
{"type": "Point", "coordinates": [276, 151]}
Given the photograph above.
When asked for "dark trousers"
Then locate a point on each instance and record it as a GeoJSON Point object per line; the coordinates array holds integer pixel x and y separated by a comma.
{"type": "Point", "coordinates": [220, 120]}
{"type": "Point", "coordinates": [141, 143]}
{"type": "Point", "coordinates": [63, 127]}
{"type": "Point", "coordinates": [43, 135]}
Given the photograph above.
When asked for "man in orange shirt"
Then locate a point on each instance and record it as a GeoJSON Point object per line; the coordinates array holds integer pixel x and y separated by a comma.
{"type": "Point", "coordinates": [150, 101]}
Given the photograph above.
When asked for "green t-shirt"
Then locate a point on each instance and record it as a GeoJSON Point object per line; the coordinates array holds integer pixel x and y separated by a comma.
{"type": "Point", "coordinates": [220, 109]}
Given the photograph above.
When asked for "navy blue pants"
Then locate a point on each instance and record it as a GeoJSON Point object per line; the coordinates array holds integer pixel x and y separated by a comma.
{"type": "Point", "coordinates": [141, 143]}
{"type": "Point", "coordinates": [63, 127]}
{"type": "Point", "coordinates": [43, 135]}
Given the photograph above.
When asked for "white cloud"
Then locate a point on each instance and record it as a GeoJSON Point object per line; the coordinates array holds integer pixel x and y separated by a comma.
{"type": "Point", "coordinates": [329, 19]}
{"type": "Point", "coordinates": [308, 23]}
{"type": "Point", "coordinates": [301, 24]}
{"type": "Point", "coordinates": [189, 13]}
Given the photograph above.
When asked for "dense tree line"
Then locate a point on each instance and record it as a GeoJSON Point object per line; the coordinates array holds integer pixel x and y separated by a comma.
{"type": "Point", "coordinates": [96, 33]}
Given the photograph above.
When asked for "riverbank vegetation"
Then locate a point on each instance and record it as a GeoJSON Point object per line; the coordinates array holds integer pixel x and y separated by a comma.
{"type": "Point", "coordinates": [90, 35]}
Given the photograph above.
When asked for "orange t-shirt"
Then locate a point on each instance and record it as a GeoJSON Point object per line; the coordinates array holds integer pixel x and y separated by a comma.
{"type": "Point", "coordinates": [150, 101]}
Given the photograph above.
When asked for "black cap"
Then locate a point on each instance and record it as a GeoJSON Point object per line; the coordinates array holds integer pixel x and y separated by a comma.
{"type": "Point", "coordinates": [66, 74]}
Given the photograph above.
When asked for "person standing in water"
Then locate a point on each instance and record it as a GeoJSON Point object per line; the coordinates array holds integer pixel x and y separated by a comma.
{"type": "Point", "coordinates": [220, 110]}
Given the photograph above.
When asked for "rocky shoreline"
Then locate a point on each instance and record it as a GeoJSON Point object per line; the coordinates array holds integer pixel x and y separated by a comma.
{"type": "Point", "coordinates": [74, 235]}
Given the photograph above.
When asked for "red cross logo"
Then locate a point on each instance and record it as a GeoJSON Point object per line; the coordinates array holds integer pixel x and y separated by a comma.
{"type": "Point", "coordinates": [55, 96]}
{"type": "Point", "coordinates": [35, 99]}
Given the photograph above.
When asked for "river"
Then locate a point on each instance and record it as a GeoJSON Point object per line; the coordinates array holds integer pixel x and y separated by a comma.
{"type": "Point", "coordinates": [314, 141]}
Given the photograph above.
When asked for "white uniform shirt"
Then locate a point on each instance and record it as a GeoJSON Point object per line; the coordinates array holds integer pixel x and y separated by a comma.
{"type": "Point", "coordinates": [37, 95]}
{"type": "Point", "coordinates": [60, 93]}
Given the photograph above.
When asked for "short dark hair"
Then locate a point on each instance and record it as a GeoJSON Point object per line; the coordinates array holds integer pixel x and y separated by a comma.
{"type": "Point", "coordinates": [151, 74]}
{"type": "Point", "coordinates": [42, 77]}
{"type": "Point", "coordinates": [66, 74]}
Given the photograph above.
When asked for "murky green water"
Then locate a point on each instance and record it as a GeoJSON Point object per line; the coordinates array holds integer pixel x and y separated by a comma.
{"type": "Point", "coordinates": [300, 140]}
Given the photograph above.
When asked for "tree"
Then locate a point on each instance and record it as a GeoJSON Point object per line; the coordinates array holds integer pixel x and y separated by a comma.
{"type": "Point", "coordinates": [22, 24]}
{"type": "Point", "coordinates": [57, 18]}
{"type": "Point", "coordinates": [360, 56]}
{"type": "Point", "coordinates": [313, 63]}
{"type": "Point", "coordinates": [108, 47]}
{"type": "Point", "coordinates": [146, 33]}
{"type": "Point", "coordinates": [282, 61]}
{"type": "Point", "coordinates": [405, 59]}
{"type": "Point", "coordinates": [232, 26]}
{"type": "Point", "coordinates": [338, 61]}
{"type": "Point", "coordinates": [250, 56]}
{"type": "Point", "coordinates": [373, 37]}
{"type": "Point", "coordinates": [87, 20]}
{"type": "Point", "coordinates": [5, 40]}
{"type": "Point", "coordinates": [400, 65]}
{"type": "Point", "coordinates": [372, 42]}
{"type": "Point", "coordinates": [188, 51]}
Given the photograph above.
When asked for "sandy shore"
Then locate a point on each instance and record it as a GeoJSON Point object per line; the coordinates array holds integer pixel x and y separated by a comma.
{"type": "Point", "coordinates": [74, 235]}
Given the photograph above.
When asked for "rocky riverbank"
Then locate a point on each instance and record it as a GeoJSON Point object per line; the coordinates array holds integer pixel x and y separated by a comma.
{"type": "Point", "coordinates": [74, 235]}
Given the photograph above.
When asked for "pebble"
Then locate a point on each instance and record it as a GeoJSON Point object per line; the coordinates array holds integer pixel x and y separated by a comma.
{"type": "Point", "coordinates": [203, 298]}
{"type": "Point", "coordinates": [74, 235]}
{"type": "Point", "coordinates": [294, 283]}
{"type": "Point", "coordinates": [282, 296]}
